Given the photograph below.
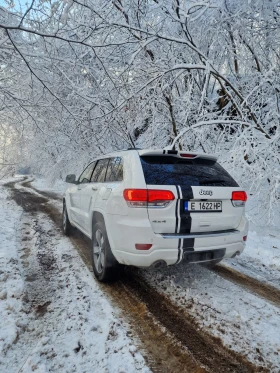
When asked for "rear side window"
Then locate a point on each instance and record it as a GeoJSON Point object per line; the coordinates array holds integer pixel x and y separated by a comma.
{"type": "Point", "coordinates": [115, 169]}
{"type": "Point", "coordinates": [167, 170]}
{"type": "Point", "coordinates": [99, 172]}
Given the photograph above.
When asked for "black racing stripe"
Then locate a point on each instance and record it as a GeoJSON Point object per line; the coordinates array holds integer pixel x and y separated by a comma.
{"type": "Point", "coordinates": [176, 208]}
{"type": "Point", "coordinates": [187, 246]}
{"type": "Point", "coordinates": [177, 222]}
{"type": "Point", "coordinates": [179, 252]}
{"type": "Point", "coordinates": [187, 192]}
{"type": "Point", "coordinates": [188, 243]}
{"type": "Point", "coordinates": [176, 215]}
{"type": "Point", "coordinates": [186, 219]}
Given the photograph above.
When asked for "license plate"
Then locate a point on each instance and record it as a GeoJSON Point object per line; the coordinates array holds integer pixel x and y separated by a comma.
{"type": "Point", "coordinates": [203, 206]}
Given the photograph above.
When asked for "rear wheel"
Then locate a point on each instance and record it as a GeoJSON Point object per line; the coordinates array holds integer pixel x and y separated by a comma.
{"type": "Point", "coordinates": [66, 225]}
{"type": "Point", "coordinates": [105, 266]}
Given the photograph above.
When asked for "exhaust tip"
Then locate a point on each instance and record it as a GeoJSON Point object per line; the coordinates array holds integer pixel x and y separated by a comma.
{"type": "Point", "coordinates": [235, 254]}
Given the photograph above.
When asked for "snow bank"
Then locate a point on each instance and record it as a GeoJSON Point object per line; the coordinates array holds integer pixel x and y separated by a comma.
{"type": "Point", "coordinates": [11, 283]}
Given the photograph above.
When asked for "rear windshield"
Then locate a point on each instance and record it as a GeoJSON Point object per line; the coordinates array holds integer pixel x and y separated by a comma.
{"type": "Point", "coordinates": [168, 170]}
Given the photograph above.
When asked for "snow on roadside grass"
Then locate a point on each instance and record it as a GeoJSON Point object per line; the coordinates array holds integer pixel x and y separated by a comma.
{"type": "Point", "coordinates": [11, 284]}
{"type": "Point", "coordinates": [54, 316]}
{"type": "Point", "coordinates": [245, 323]}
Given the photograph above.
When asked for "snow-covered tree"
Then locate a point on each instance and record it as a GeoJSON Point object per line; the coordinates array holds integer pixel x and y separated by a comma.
{"type": "Point", "coordinates": [82, 77]}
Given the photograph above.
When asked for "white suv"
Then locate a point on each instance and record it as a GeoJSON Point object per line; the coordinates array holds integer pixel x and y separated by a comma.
{"type": "Point", "coordinates": [152, 207]}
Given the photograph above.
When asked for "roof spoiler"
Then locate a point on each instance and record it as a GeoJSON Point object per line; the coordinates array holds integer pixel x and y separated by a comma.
{"type": "Point", "coordinates": [179, 154]}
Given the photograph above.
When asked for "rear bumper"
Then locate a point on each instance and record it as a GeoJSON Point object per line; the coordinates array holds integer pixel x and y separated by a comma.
{"type": "Point", "coordinates": [125, 233]}
{"type": "Point", "coordinates": [169, 257]}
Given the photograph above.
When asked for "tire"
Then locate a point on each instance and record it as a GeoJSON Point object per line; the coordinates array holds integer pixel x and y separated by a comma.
{"type": "Point", "coordinates": [66, 225]}
{"type": "Point", "coordinates": [104, 264]}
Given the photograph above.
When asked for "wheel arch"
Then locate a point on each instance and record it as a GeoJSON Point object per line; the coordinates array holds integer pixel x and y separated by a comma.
{"type": "Point", "coordinates": [97, 217]}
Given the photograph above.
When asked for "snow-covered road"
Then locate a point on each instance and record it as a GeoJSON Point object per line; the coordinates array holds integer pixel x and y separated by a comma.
{"type": "Point", "coordinates": [55, 312]}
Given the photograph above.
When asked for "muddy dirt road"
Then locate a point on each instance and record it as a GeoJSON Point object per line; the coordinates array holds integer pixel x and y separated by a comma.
{"type": "Point", "coordinates": [168, 335]}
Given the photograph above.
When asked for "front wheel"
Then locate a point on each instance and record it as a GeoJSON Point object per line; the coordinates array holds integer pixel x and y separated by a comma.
{"type": "Point", "coordinates": [105, 266]}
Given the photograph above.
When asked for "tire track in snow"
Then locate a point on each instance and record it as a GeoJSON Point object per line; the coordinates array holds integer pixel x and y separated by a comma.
{"type": "Point", "coordinates": [263, 290]}
{"type": "Point", "coordinates": [52, 195]}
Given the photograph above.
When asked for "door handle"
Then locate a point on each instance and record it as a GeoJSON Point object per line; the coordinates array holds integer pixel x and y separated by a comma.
{"type": "Point", "coordinates": [93, 188]}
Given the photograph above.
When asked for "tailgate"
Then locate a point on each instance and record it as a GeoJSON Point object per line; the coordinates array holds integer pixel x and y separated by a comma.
{"type": "Point", "coordinates": [214, 210]}
{"type": "Point", "coordinates": [202, 192]}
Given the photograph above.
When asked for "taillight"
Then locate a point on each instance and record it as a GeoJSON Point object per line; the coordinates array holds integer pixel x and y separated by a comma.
{"type": "Point", "coordinates": [238, 198]}
{"type": "Point", "coordinates": [148, 197]}
{"type": "Point", "coordinates": [160, 195]}
{"type": "Point", "coordinates": [135, 195]}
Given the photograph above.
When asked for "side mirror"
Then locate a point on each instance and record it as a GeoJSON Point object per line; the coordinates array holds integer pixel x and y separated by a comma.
{"type": "Point", "coordinates": [71, 179]}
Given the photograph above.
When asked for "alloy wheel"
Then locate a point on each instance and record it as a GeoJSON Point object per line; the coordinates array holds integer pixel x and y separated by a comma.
{"type": "Point", "coordinates": [98, 251]}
